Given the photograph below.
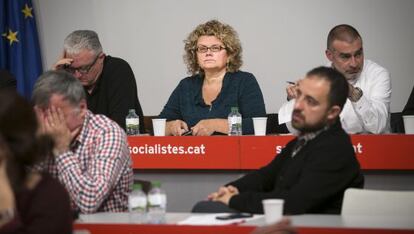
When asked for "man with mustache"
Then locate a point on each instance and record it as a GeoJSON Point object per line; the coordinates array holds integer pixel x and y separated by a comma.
{"type": "Point", "coordinates": [367, 109]}
{"type": "Point", "coordinates": [313, 170]}
{"type": "Point", "coordinates": [109, 82]}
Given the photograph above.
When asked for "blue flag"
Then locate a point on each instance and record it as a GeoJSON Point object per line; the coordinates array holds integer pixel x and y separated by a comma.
{"type": "Point", "coordinates": [19, 45]}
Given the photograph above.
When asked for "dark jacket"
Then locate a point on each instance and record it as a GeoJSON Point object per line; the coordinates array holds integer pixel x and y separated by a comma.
{"type": "Point", "coordinates": [44, 209]}
{"type": "Point", "coordinates": [313, 181]}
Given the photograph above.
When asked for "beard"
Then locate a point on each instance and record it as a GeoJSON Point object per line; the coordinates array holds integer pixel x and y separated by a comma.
{"type": "Point", "coordinates": [353, 75]}
{"type": "Point", "coordinates": [303, 127]}
{"type": "Point", "coordinates": [350, 74]}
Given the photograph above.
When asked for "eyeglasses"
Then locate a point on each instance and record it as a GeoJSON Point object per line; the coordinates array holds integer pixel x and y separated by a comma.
{"type": "Point", "coordinates": [84, 69]}
{"type": "Point", "coordinates": [213, 48]}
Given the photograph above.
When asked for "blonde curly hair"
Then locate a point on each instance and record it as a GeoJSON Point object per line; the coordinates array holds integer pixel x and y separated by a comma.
{"type": "Point", "coordinates": [225, 33]}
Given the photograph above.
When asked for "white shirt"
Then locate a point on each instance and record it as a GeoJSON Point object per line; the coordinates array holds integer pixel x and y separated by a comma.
{"type": "Point", "coordinates": [370, 114]}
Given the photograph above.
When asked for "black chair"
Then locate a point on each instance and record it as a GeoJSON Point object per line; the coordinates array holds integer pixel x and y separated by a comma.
{"type": "Point", "coordinates": [148, 124]}
{"type": "Point", "coordinates": [273, 126]}
{"type": "Point", "coordinates": [396, 122]}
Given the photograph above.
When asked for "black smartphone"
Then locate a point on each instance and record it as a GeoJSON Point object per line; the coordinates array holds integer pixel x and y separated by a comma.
{"type": "Point", "coordinates": [234, 216]}
{"type": "Point", "coordinates": [187, 133]}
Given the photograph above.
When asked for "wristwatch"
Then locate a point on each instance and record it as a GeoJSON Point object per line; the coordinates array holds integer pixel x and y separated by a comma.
{"type": "Point", "coordinates": [356, 94]}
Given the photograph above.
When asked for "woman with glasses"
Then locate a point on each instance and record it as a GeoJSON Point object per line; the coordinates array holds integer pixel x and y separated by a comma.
{"type": "Point", "coordinates": [202, 102]}
{"type": "Point", "coordinates": [30, 202]}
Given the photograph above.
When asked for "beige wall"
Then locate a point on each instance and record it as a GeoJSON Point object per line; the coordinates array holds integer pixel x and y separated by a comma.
{"type": "Point", "coordinates": [281, 39]}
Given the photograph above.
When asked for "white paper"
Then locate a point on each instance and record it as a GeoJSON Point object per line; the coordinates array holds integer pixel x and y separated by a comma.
{"type": "Point", "coordinates": [210, 219]}
{"type": "Point", "coordinates": [285, 112]}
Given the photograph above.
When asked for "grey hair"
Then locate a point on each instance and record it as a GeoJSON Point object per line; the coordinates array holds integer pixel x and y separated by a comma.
{"type": "Point", "coordinates": [82, 39]}
{"type": "Point", "coordinates": [57, 82]}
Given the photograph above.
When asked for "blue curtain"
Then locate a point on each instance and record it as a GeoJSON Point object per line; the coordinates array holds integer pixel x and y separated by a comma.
{"type": "Point", "coordinates": [19, 44]}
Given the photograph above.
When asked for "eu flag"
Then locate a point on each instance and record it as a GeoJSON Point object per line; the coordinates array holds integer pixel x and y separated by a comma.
{"type": "Point", "coordinates": [19, 45]}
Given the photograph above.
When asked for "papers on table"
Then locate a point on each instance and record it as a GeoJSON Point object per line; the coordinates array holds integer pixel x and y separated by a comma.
{"type": "Point", "coordinates": [210, 219]}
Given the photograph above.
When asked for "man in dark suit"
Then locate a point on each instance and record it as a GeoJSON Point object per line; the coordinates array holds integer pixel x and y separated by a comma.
{"type": "Point", "coordinates": [313, 170]}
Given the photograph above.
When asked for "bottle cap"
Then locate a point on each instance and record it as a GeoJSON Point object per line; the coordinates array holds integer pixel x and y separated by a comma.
{"type": "Point", "coordinates": [156, 183]}
{"type": "Point", "coordinates": [136, 187]}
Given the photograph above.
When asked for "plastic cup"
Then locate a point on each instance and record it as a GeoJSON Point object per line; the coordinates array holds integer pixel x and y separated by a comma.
{"type": "Point", "coordinates": [273, 209]}
{"type": "Point", "coordinates": [409, 124]}
{"type": "Point", "coordinates": [259, 124]}
{"type": "Point", "coordinates": [159, 127]}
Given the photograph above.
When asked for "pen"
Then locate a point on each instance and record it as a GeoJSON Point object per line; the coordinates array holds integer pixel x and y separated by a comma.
{"type": "Point", "coordinates": [290, 82]}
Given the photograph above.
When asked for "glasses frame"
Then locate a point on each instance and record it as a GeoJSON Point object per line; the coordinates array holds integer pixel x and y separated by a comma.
{"type": "Point", "coordinates": [84, 69]}
{"type": "Point", "coordinates": [205, 49]}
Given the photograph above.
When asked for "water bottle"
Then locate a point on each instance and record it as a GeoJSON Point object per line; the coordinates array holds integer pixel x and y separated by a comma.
{"type": "Point", "coordinates": [157, 203]}
{"type": "Point", "coordinates": [235, 122]}
{"type": "Point", "coordinates": [132, 123]}
{"type": "Point", "coordinates": [137, 205]}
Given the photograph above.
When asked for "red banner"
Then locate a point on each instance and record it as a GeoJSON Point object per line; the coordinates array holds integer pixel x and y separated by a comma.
{"type": "Point", "coordinates": [219, 152]}
{"type": "Point", "coordinates": [257, 151]}
{"type": "Point", "coordinates": [389, 152]}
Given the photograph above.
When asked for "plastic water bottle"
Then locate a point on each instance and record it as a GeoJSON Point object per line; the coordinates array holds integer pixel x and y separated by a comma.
{"type": "Point", "coordinates": [235, 122]}
{"type": "Point", "coordinates": [132, 123]}
{"type": "Point", "coordinates": [137, 205]}
{"type": "Point", "coordinates": [157, 203]}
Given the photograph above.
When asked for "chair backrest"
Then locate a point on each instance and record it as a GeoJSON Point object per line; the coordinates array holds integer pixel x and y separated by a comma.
{"type": "Point", "coordinates": [273, 126]}
{"type": "Point", "coordinates": [148, 124]}
{"type": "Point", "coordinates": [396, 122]}
{"type": "Point", "coordinates": [378, 202]}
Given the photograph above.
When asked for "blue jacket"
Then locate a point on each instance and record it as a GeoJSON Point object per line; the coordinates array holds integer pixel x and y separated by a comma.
{"type": "Point", "coordinates": [239, 89]}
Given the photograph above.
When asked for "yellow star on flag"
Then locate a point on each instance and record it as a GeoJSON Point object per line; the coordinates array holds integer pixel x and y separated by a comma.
{"type": "Point", "coordinates": [12, 36]}
{"type": "Point", "coordinates": [27, 11]}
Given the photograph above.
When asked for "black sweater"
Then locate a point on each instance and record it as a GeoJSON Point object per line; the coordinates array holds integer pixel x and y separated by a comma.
{"type": "Point", "coordinates": [313, 181]}
{"type": "Point", "coordinates": [115, 92]}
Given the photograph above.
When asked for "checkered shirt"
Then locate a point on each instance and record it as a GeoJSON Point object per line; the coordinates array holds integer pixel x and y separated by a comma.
{"type": "Point", "coordinates": [97, 170]}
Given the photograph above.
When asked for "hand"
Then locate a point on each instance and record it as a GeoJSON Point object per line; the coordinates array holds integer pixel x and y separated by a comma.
{"type": "Point", "coordinates": [60, 64]}
{"type": "Point", "coordinates": [53, 122]}
{"type": "Point", "coordinates": [350, 89]}
{"type": "Point", "coordinates": [282, 227]}
{"type": "Point", "coordinates": [175, 127]}
{"type": "Point", "coordinates": [291, 91]}
{"type": "Point", "coordinates": [221, 191]}
{"type": "Point", "coordinates": [355, 93]}
{"type": "Point", "coordinates": [233, 189]}
{"type": "Point", "coordinates": [224, 194]}
{"type": "Point", "coordinates": [205, 127]}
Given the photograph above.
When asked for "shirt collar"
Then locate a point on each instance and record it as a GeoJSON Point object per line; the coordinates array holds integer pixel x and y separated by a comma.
{"type": "Point", "coordinates": [312, 135]}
